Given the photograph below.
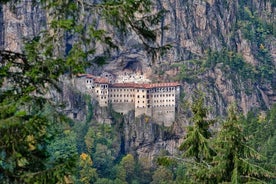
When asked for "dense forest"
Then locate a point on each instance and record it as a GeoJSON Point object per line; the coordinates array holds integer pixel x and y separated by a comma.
{"type": "Point", "coordinates": [217, 136]}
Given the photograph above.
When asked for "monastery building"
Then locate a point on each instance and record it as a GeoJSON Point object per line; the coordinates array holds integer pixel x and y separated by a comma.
{"type": "Point", "coordinates": [156, 100]}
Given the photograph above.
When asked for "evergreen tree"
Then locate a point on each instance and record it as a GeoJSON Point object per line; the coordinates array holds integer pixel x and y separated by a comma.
{"type": "Point", "coordinates": [196, 144]}
{"type": "Point", "coordinates": [28, 78]}
{"type": "Point", "coordinates": [232, 162]}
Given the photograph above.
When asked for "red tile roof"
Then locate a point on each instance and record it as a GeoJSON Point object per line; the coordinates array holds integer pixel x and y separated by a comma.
{"type": "Point", "coordinates": [102, 80]}
{"type": "Point", "coordinates": [105, 80]}
{"type": "Point", "coordinates": [145, 86]}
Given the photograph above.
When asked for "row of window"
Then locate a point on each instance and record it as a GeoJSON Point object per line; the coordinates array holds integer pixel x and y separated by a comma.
{"type": "Point", "coordinates": [163, 95]}
{"type": "Point", "coordinates": [102, 92]}
{"type": "Point", "coordinates": [117, 89]}
{"type": "Point", "coordinates": [142, 96]}
{"type": "Point", "coordinates": [126, 100]}
{"type": "Point", "coordinates": [156, 101]}
{"type": "Point", "coordinates": [121, 95]}
{"type": "Point", "coordinates": [169, 89]}
{"type": "Point", "coordinates": [120, 101]}
{"type": "Point", "coordinates": [168, 105]}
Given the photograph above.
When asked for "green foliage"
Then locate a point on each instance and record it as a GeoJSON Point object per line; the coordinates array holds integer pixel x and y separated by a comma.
{"type": "Point", "coordinates": [255, 124]}
{"type": "Point", "coordinates": [190, 70]}
{"type": "Point", "coordinates": [100, 141]}
{"type": "Point", "coordinates": [232, 162]}
{"type": "Point", "coordinates": [128, 164]}
{"type": "Point", "coordinates": [62, 148]}
{"type": "Point", "coordinates": [233, 60]}
{"type": "Point", "coordinates": [30, 153]}
{"type": "Point", "coordinates": [166, 161]}
{"type": "Point", "coordinates": [196, 144]}
{"type": "Point", "coordinates": [162, 176]}
{"type": "Point", "coordinates": [87, 173]}
{"type": "Point", "coordinates": [257, 31]}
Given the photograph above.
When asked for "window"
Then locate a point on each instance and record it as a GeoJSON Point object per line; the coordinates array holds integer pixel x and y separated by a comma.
{"type": "Point", "coordinates": [143, 96]}
{"type": "Point", "coordinates": [138, 101]}
{"type": "Point", "coordinates": [138, 96]}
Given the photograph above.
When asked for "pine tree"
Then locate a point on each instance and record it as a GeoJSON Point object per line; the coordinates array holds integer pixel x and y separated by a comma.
{"type": "Point", "coordinates": [196, 145]}
{"type": "Point", "coordinates": [232, 162]}
{"type": "Point", "coordinates": [27, 78]}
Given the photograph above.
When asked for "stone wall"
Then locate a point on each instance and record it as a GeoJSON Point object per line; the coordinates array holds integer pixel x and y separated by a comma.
{"type": "Point", "coordinates": [2, 29]}
{"type": "Point", "coordinates": [164, 115]}
{"type": "Point", "coordinates": [123, 108]}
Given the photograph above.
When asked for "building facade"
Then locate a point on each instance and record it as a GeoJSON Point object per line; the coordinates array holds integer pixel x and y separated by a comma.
{"type": "Point", "coordinates": [156, 100]}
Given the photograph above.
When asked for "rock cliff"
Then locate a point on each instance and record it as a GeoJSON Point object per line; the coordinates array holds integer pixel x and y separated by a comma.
{"type": "Point", "coordinates": [195, 28]}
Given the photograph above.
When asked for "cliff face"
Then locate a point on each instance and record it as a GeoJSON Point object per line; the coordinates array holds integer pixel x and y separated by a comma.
{"type": "Point", "coordinates": [195, 27]}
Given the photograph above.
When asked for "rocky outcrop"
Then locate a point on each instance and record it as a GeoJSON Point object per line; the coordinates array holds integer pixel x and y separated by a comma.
{"type": "Point", "coordinates": [193, 27]}
{"type": "Point", "coordinates": [21, 20]}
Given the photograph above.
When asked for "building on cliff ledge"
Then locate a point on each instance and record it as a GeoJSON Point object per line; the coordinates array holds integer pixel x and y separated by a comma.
{"type": "Point", "coordinates": [156, 100]}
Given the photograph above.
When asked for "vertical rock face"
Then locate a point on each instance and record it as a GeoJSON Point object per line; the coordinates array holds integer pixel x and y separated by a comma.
{"type": "Point", "coordinates": [21, 20]}
{"type": "Point", "coordinates": [193, 27]}
{"type": "Point", "coordinates": [2, 28]}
